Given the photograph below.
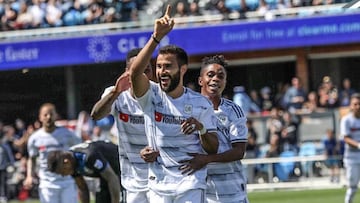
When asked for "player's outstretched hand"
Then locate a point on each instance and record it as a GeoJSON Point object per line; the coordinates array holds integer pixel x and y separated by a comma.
{"type": "Point", "coordinates": [164, 24]}
{"type": "Point", "coordinates": [123, 82]}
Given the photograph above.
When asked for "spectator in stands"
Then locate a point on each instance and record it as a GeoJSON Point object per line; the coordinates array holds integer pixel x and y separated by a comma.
{"type": "Point", "coordinates": [110, 16]}
{"type": "Point", "coordinates": [8, 20]}
{"type": "Point", "coordinates": [10, 137]}
{"type": "Point", "coordinates": [242, 99]}
{"type": "Point", "coordinates": [289, 133]}
{"type": "Point", "coordinates": [128, 11]}
{"type": "Point", "coordinates": [274, 123]}
{"type": "Point", "coordinates": [281, 89]}
{"type": "Point", "coordinates": [93, 13]}
{"type": "Point", "coordinates": [194, 9]}
{"type": "Point", "coordinates": [24, 18]}
{"type": "Point", "coordinates": [6, 159]}
{"type": "Point", "coordinates": [254, 96]}
{"type": "Point", "coordinates": [328, 93]}
{"type": "Point", "coordinates": [274, 150]}
{"type": "Point", "coordinates": [181, 10]}
{"type": "Point", "coordinates": [53, 13]}
{"type": "Point", "coordinates": [345, 93]}
{"type": "Point", "coordinates": [38, 13]}
{"type": "Point", "coordinates": [331, 146]}
{"type": "Point", "coordinates": [73, 16]}
{"type": "Point", "coordinates": [264, 10]}
{"type": "Point", "coordinates": [311, 104]}
{"type": "Point", "coordinates": [274, 146]}
{"type": "Point", "coordinates": [97, 134]}
{"type": "Point", "coordinates": [267, 102]}
{"type": "Point", "coordinates": [84, 126]}
{"type": "Point", "coordinates": [218, 7]}
{"type": "Point", "coordinates": [295, 96]}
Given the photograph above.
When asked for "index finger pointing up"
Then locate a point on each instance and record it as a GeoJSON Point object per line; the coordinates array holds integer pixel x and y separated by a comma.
{"type": "Point", "coordinates": [168, 11]}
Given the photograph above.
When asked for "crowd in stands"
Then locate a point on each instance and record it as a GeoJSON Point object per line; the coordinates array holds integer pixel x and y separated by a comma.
{"type": "Point", "coordinates": [283, 111]}
{"type": "Point", "coordinates": [30, 14]}
{"type": "Point", "coordinates": [284, 118]}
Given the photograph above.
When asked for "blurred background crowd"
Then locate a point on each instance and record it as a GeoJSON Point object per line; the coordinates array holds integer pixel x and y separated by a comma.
{"type": "Point", "coordinates": [30, 14]}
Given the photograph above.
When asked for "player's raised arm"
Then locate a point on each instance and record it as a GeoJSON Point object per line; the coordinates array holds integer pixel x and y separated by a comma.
{"type": "Point", "coordinates": [102, 107]}
{"type": "Point", "coordinates": [140, 83]}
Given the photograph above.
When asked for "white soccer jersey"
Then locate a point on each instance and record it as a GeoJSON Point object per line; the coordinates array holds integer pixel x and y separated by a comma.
{"type": "Point", "coordinates": [41, 143]}
{"type": "Point", "coordinates": [350, 126]}
{"type": "Point", "coordinates": [226, 181]}
{"type": "Point", "coordinates": [130, 125]}
{"type": "Point", "coordinates": [163, 118]}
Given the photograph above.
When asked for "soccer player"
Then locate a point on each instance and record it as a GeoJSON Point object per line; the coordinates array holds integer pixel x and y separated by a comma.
{"type": "Point", "coordinates": [97, 159]}
{"type": "Point", "coordinates": [350, 132]}
{"type": "Point", "coordinates": [119, 101]}
{"type": "Point", "coordinates": [226, 182]}
{"type": "Point", "coordinates": [53, 188]}
{"type": "Point", "coordinates": [177, 119]}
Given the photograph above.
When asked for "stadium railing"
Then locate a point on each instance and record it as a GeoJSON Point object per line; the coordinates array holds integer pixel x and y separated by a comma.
{"type": "Point", "coordinates": [300, 180]}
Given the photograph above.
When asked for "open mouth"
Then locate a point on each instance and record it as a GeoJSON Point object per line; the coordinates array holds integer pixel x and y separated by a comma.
{"type": "Point", "coordinates": [165, 80]}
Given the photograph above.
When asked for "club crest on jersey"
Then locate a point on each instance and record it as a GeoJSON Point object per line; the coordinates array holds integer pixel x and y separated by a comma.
{"type": "Point", "coordinates": [222, 118]}
{"type": "Point", "coordinates": [98, 164]}
{"type": "Point", "coordinates": [188, 108]}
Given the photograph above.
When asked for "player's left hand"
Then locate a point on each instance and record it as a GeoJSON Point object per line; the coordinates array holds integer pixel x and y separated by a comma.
{"type": "Point", "coordinates": [198, 161]}
{"type": "Point", "coordinates": [148, 154]}
{"type": "Point", "coordinates": [190, 125]}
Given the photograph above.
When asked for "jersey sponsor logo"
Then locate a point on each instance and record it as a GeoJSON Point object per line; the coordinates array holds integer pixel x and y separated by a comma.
{"type": "Point", "coordinates": [131, 118]}
{"type": "Point", "coordinates": [42, 148]}
{"type": "Point", "coordinates": [353, 129]}
{"type": "Point", "coordinates": [98, 164]}
{"type": "Point", "coordinates": [169, 119]}
{"type": "Point", "coordinates": [158, 116]}
{"type": "Point", "coordinates": [124, 117]}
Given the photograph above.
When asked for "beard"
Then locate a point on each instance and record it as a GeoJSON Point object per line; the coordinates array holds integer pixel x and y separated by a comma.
{"type": "Point", "coordinates": [174, 82]}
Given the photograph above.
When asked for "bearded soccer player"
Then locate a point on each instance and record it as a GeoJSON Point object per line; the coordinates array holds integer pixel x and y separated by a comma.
{"type": "Point", "coordinates": [177, 119]}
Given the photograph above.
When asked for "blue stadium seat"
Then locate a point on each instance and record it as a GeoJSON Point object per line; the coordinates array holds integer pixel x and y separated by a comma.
{"type": "Point", "coordinates": [307, 149]}
{"type": "Point", "coordinates": [233, 5]}
{"type": "Point", "coordinates": [283, 170]}
{"type": "Point", "coordinates": [252, 4]}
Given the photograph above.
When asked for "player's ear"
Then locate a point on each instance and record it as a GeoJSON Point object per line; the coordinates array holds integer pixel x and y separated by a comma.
{"type": "Point", "coordinates": [183, 69]}
{"type": "Point", "coordinates": [200, 81]}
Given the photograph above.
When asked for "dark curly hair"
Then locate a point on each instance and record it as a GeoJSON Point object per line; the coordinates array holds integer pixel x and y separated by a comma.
{"type": "Point", "coordinates": [216, 59]}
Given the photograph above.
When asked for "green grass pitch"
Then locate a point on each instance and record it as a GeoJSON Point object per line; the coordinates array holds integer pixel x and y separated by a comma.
{"type": "Point", "coordinates": [286, 196]}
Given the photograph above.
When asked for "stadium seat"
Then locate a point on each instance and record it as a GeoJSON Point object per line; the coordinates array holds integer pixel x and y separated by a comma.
{"type": "Point", "coordinates": [283, 170]}
{"type": "Point", "coordinates": [307, 149]}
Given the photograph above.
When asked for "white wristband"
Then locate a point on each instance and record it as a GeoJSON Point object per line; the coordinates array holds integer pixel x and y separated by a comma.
{"type": "Point", "coordinates": [358, 146]}
{"type": "Point", "coordinates": [202, 131]}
